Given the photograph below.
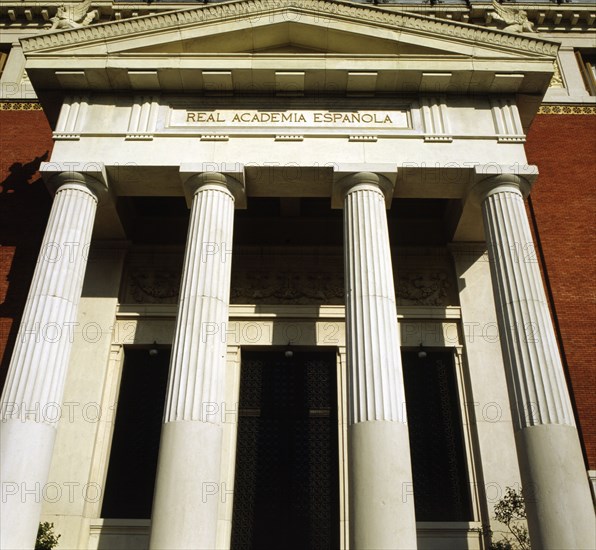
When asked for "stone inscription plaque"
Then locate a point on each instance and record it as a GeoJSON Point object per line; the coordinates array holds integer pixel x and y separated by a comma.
{"type": "Point", "coordinates": [299, 120]}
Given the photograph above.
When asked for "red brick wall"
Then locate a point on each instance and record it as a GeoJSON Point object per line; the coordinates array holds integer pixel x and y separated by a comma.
{"type": "Point", "coordinates": [25, 141]}
{"type": "Point", "coordinates": [563, 204]}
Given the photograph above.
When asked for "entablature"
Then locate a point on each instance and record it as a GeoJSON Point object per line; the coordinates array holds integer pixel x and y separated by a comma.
{"type": "Point", "coordinates": [310, 48]}
{"type": "Point", "coordinates": [144, 138]}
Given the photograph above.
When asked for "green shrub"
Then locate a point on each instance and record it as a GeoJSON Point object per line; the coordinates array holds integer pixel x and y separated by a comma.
{"type": "Point", "coordinates": [46, 539]}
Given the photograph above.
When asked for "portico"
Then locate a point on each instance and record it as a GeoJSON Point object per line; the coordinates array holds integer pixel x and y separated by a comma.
{"type": "Point", "coordinates": [313, 100]}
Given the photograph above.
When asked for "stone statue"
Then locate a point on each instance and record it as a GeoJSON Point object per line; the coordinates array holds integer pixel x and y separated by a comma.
{"type": "Point", "coordinates": [73, 16]}
{"type": "Point", "coordinates": [512, 19]}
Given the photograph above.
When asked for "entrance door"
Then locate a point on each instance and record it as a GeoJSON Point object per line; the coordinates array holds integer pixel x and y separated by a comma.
{"type": "Point", "coordinates": [286, 492]}
{"type": "Point", "coordinates": [439, 467]}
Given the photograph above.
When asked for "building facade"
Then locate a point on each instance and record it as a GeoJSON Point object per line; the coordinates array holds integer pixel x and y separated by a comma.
{"type": "Point", "coordinates": [306, 274]}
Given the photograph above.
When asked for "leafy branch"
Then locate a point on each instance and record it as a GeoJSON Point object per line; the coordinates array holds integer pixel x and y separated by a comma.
{"type": "Point", "coordinates": [511, 511]}
{"type": "Point", "coordinates": [46, 539]}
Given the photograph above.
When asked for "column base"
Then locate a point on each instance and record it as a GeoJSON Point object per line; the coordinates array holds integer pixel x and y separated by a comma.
{"type": "Point", "coordinates": [188, 488]}
{"type": "Point", "coordinates": [25, 457]}
{"type": "Point", "coordinates": [558, 501]}
{"type": "Point", "coordinates": [381, 490]}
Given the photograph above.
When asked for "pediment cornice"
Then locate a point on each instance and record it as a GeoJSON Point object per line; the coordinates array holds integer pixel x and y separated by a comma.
{"type": "Point", "coordinates": [325, 10]}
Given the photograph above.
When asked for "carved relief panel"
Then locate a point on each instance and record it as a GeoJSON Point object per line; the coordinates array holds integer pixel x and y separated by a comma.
{"type": "Point", "coordinates": [152, 277]}
{"type": "Point", "coordinates": [280, 276]}
{"type": "Point", "coordinates": [298, 276]}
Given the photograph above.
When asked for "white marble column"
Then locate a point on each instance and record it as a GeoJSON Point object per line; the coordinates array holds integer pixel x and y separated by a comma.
{"type": "Point", "coordinates": [381, 498]}
{"type": "Point", "coordinates": [32, 396]}
{"type": "Point", "coordinates": [188, 487]}
{"type": "Point", "coordinates": [558, 501]}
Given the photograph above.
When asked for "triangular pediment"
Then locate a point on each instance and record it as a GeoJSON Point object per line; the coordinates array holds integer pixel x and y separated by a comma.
{"type": "Point", "coordinates": [254, 25]}
{"type": "Point", "coordinates": [327, 41]}
{"type": "Point", "coordinates": [292, 37]}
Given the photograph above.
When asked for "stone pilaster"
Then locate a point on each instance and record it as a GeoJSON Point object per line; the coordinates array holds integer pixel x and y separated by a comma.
{"type": "Point", "coordinates": [558, 500]}
{"type": "Point", "coordinates": [32, 397]}
{"type": "Point", "coordinates": [380, 477]}
{"type": "Point", "coordinates": [185, 508]}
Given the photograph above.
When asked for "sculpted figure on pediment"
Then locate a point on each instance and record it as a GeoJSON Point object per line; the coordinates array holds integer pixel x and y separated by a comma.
{"type": "Point", "coordinates": [512, 19]}
{"type": "Point", "coordinates": [73, 16]}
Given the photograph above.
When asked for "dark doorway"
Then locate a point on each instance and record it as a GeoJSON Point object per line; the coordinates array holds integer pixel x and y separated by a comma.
{"type": "Point", "coordinates": [441, 485]}
{"type": "Point", "coordinates": [135, 444]}
{"type": "Point", "coordinates": [286, 492]}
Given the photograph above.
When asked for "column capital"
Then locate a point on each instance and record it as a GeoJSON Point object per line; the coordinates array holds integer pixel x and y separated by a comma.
{"type": "Point", "coordinates": [91, 175]}
{"type": "Point", "coordinates": [228, 175]}
{"type": "Point", "coordinates": [500, 183]}
{"type": "Point", "coordinates": [348, 176]}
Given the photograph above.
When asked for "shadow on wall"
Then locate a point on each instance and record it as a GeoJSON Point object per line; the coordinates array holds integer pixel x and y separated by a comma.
{"type": "Point", "coordinates": [24, 209]}
{"type": "Point", "coordinates": [20, 174]}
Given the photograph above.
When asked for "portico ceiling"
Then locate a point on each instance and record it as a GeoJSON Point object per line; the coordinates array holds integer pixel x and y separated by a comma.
{"type": "Point", "coordinates": [256, 45]}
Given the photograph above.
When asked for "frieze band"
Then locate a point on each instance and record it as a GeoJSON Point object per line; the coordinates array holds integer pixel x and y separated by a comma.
{"type": "Point", "coordinates": [161, 286]}
{"type": "Point", "coordinates": [20, 106]}
{"type": "Point", "coordinates": [567, 110]}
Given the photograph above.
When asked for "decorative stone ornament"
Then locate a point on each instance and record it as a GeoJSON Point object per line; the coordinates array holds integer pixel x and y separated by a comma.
{"type": "Point", "coordinates": [512, 19]}
{"type": "Point", "coordinates": [73, 16]}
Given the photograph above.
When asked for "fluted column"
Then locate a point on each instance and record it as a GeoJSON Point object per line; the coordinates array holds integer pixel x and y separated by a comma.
{"type": "Point", "coordinates": [558, 501]}
{"type": "Point", "coordinates": [188, 483]}
{"type": "Point", "coordinates": [380, 475]}
{"type": "Point", "coordinates": [37, 372]}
